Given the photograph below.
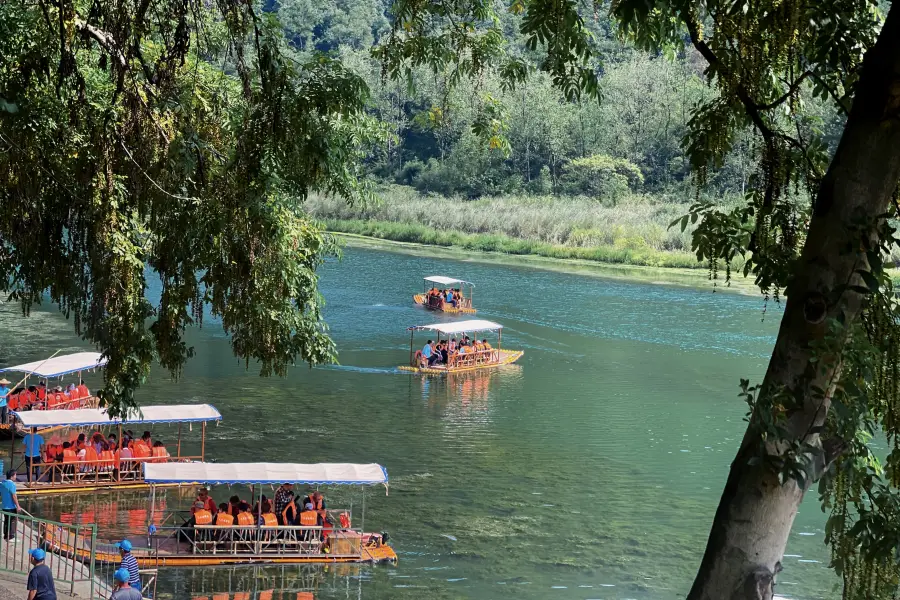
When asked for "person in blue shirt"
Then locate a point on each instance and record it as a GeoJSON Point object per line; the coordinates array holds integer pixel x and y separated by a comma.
{"type": "Point", "coordinates": [9, 503]}
{"type": "Point", "coordinates": [450, 298]}
{"type": "Point", "coordinates": [4, 396]}
{"type": "Point", "coordinates": [33, 443]}
{"type": "Point", "coordinates": [427, 351]}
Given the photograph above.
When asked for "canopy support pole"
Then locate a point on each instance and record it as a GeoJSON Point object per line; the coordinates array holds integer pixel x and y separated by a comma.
{"type": "Point", "coordinates": [363, 523]}
{"type": "Point", "coordinates": [12, 444]}
{"type": "Point", "coordinates": [152, 511]}
{"type": "Point", "coordinates": [179, 440]}
{"type": "Point", "coordinates": [119, 454]}
{"type": "Point", "coordinates": [471, 296]}
{"type": "Point", "coordinates": [412, 332]}
{"type": "Point", "coordinates": [203, 442]}
{"type": "Point", "coordinates": [499, 338]}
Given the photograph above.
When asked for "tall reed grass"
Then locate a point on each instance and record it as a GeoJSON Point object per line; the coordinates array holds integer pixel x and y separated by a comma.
{"type": "Point", "coordinates": [634, 231]}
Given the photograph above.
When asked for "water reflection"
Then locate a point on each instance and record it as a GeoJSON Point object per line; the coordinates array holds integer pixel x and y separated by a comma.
{"type": "Point", "coordinates": [284, 582]}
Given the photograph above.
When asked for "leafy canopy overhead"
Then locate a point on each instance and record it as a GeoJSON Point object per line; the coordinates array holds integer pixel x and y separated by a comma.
{"type": "Point", "coordinates": [170, 139]}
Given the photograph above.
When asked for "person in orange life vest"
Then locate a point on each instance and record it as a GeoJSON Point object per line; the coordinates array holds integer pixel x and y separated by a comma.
{"type": "Point", "coordinates": [205, 502]}
{"type": "Point", "coordinates": [159, 452]}
{"type": "Point", "coordinates": [224, 517]}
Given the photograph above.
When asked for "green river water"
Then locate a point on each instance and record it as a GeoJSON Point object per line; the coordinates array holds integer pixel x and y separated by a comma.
{"type": "Point", "coordinates": [591, 469]}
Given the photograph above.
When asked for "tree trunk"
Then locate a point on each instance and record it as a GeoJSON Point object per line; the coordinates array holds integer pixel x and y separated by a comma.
{"type": "Point", "coordinates": [756, 512]}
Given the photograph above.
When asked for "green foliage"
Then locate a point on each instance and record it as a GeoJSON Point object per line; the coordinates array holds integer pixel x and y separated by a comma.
{"type": "Point", "coordinates": [131, 154]}
{"type": "Point", "coordinates": [601, 176]}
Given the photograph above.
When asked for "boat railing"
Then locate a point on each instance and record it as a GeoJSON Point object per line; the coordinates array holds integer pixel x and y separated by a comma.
{"type": "Point", "coordinates": [457, 360]}
{"type": "Point", "coordinates": [314, 542]}
{"type": "Point", "coordinates": [101, 471]}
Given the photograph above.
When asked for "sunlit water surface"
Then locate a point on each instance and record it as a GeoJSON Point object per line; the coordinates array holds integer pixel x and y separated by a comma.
{"type": "Point", "coordinates": [591, 469]}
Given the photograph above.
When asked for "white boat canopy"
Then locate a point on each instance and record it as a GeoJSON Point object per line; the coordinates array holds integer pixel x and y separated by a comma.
{"type": "Point", "coordinates": [460, 327]}
{"type": "Point", "coordinates": [265, 473]}
{"type": "Point", "coordinates": [60, 365]}
{"type": "Point", "coordinates": [175, 413]}
{"type": "Point", "coordinates": [440, 279]}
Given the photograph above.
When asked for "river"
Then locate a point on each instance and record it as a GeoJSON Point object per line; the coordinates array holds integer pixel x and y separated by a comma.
{"type": "Point", "coordinates": [591, 469]}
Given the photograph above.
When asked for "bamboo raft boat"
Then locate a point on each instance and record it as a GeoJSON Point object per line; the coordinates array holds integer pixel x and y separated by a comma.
{"type": "Point", "coordinates": [488, 358]}
{"type": "Point", "coordinates": [463, 303]}
{"type": "Point", "coordinates": [192, 545]}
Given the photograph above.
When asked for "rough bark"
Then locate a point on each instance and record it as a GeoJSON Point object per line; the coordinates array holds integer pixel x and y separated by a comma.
{"type": "Point", "coordinates": [756, 512]}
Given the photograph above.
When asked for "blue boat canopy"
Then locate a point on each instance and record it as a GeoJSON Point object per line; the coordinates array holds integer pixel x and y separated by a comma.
{"type": "Point", "coordinates": [265, 473]}
{"type": "Point", "coordinates": [60, 365]}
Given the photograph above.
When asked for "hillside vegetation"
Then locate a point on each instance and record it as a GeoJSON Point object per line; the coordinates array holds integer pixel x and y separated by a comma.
{"type": "Point", "coordinates": [550, 176]}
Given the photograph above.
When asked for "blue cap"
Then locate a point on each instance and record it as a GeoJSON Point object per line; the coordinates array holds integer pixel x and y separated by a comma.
{"type": "Point", "coordinates": [37, 554]}
{"type": "Point", "coordinates": [124, 545]}
{"type": "Point", "coordinates": [122, 575]}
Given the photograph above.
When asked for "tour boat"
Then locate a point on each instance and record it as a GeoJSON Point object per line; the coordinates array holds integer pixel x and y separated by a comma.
{"type": "Point", "coordinates": [43, 397]}
{"type": "Point", "coordinates": [463, 305]}
{"type": "Point", "coordinates": [193, 544]}
{"type": "Point", "coordinates": [459, 362]}
{"type": "Point", "coordinates": [112, 472]}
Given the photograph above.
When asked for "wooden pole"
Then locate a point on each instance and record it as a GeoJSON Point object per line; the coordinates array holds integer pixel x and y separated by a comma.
{"type": "Point", "coordinates": [203, 442]}
{"type": "Point", "coordinates": [179, 440]}
{"type": "Point", "coordinates": [412, 332]}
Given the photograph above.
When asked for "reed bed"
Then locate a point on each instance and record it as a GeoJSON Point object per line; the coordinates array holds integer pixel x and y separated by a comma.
{"type": "Point", "coordinates": [634, 231]}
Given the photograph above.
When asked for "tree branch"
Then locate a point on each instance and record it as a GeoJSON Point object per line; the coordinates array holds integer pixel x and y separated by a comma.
{"type": "Point", "coordinates": [793, 88]}
{"type": "Point", "coordinates": [740, 91]}
{"type": "Point", "coordinates": [101, 37]}
{"type": "Point", "coordinates": [833, 94]}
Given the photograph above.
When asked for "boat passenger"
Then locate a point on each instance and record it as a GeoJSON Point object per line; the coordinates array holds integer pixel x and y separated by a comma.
{"type": "Point", "coordinates": [427, 351]}
{"type": "Point", "coordinates": [318, 502]}
{"type": "Point", "coordinates": [224, 517]}
{"type": "Point", "coordinates": [245, 517]}
{"type": "Point", "coordinates": [486, 345]}
{"type": "Point", "coordinates": [107, 458]}
{"type": "Point", "coordinates": [290, 515]}
{"type": "Point", "coordinates": [283, 497]}
{"type": "Point", "coordinates": [205, 502]}
{"type": "Point", "coordinates": [445, 354]}
{"type": "Point", "coordinates": [159, 452]}
{"type": "Point", "coordinates": [451, 299]}
{"type": "Point", "coordinates": [234, 504]}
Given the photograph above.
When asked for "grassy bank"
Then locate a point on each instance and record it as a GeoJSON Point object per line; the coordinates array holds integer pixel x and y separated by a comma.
{"type": "Point", "coordinates": [421, 234]}
{"type": "Point", "coordinates": [634, 232]}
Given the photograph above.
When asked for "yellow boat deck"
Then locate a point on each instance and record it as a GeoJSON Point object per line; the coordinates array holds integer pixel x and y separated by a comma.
{"type": "Point", "coordinates": [268, 548]}
{"type": "Point", "coordinates": [505, 357]}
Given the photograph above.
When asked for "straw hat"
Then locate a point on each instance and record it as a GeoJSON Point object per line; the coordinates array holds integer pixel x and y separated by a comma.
{"type": "Point", "coordinates": [5, 381]}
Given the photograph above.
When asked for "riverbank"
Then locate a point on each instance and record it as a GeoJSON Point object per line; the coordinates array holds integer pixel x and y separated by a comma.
{"type": "Point", "coordinates": [695, 278]}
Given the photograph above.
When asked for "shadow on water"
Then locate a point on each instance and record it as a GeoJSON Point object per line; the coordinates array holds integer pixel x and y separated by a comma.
{"type": "Point", "coordinates": [590, 469]}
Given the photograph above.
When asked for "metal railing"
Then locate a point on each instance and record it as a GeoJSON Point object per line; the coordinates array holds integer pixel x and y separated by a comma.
{"type": "Point", "coordinates": [96, 472]}
{"type": "Point", "coordinates": [22, 532]}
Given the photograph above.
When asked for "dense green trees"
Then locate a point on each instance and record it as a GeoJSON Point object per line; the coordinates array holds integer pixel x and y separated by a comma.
{"type": "Point", "coordinates": [128, 152]}
{"type": "Point", "coordinates": [647, 104]}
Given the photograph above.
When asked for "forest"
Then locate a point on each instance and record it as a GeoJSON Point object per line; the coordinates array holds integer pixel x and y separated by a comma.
{"type": "Point", "coordinates": [474, 164]}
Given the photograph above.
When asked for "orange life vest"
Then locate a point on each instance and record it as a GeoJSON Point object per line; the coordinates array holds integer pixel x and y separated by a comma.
{"type": "Point", "coordinates": [108, 458]}
{"type": "Point", "coordinates": [202, 517]}
{"type": "Point", "coordinates": [245, 518]}
{"type": "Point", "coordinates": [159, 454]}
{"type": "Point", "coordinates": [223, 518]}
{"type": "Point", "coordinates": [141, 450]}
{"type": "Point", "coordinates": [69, 455]}
{"type": "Point", "coordinates": [90, 454]}
{"type": "Point", "coordinates": [309, 518]}
{"type": "Point", "coordinates": [269, 520]}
